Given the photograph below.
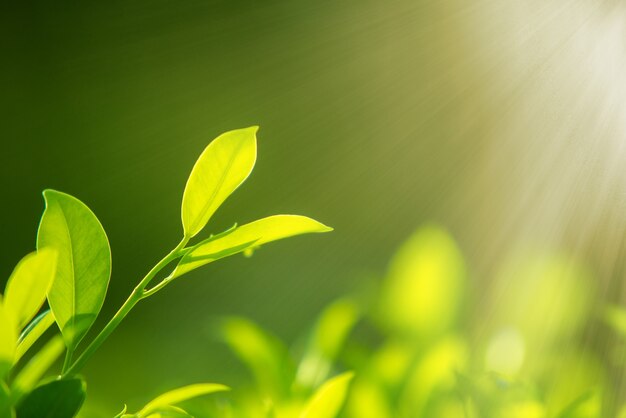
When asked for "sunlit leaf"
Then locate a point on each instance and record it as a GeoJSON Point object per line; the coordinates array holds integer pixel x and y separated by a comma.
{"type": "Point", "coordinates": [33, 332]}
{"type": "Point", "coordinates": [8, 338]}
{"type": "Point", "coordinates": [27, 287]}
{"type": "Point", "coordinates": [262, 353]}
{"type": "Point", "coordinates": [37, 366]}
{"type": "Point", "coordinates": [245, 237]}
{"type": "Point", "coordinates": [329, 334]}
{"type": "Point", "coordinates": [423, 291]}
{"type": "Point", "coordinates": [56, 399]}
{"type": "Point", "coordinates": [224, 164]}
{"type": "Point", "coordinates": [368, 400]}
{"type": "Point", "coordinates": [434, 371]}
{"type": "Point", "coordinates": [83, 266]}
{"type": "Point", "coordinates": [176, 396]}
{"type": "Point", "coordinates": [170, 412]}
{"type": "Point", "coordinates": [327, 401]}
{"type": "Point", "coordinates": [587, 405]}
{"type": "Point", "coordinates": [122, 413]}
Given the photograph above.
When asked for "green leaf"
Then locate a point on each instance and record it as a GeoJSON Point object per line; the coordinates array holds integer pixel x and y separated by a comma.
{"type": "Point", "coordinates": [587, 405]}
{"type": "Point", "coordinates": [327, 401]}
{"type": "Point", "coordinates": [33, 332]}
{"type": "Point", "coordinates": [170, 412]}
{"type": "Point", "coordinates": [83, 266]}
{"type": "Point", "coordinates": [264, 354]}
{"type": "Point", "coordinates": [329, 335]}
{"type": "Point", "coordinates": [37, 366]}
{"type": "Point", "coordinates": [27, 287]}
{"type": "Point", "coordinates": [6, 405]}
{"type": "Point", "coordinates": [245, 237]}
{"type": "Point", "coordinates": [176, 396]}
{"type": "Point", "coordinates": [122, 413]}
{"type": "Point", "coordinates": [8, 339]}
{"type": "Point", "coordinates": [56, 399]}
{"type": "Point", "coordinates": [423, 292]}
{"type": "Point", "coordinates": [222, 167]}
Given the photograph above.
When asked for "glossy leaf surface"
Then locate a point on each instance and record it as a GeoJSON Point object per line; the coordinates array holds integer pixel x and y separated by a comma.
{"type": "Point", "coordinates": [83, 265]}
{"type": "Point", "coordinates": [245, 237]}
{"type": "Point", "coordinates": [224, 164]}
{"type": "Point", "coordinates": [33, 331]}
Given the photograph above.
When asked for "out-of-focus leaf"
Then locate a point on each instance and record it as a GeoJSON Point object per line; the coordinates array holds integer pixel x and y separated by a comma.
{"type": "Point", "coordinates": [505, 352]}
{"type": "Point", "coordinates": [391, 363]}
{"type": "Point", "coordinates": [435, 371]}
{"type": "Point", "coordinates": [83, 264]}
{"type": "Point", "coordinates": [329, 335]}
{"type": "Point", "coordinates": [55, 399]}
{"type": "Point", "coordinates": [170, 412]}
{"type": "Point", "coordinates": [27, 287]}
{"type": "Point", "coordinates": [263, 354]}
{"type": "Point", "coordinates": [615, 316]}
{"type": "Point", "coordinates": [494, 397]}
{"type": "Point", "coordinates": [587, 405]}
{"type": "Point", "coordinates": [568, 374]}
{"type": "Point", "coordinates": [224, 164]}
{"type": "Point", "coordinates": [6, 406]}
{"type": "Point", "coordinates": [245, 237]}
{"type": "Point", "coordinates": [327, 401]}
{"type": "Point", "coordinates": [33, 332]}
{"type": "Point", "coordinates": [171, 398]}
{"type": "Point", "coordinates": [37, 366]}
{"type": "Point", "coordinates": [122, 413]}
{"type": "Point", "coordinates": [421, 296]}
{"type": "Point", "coordinates": [8, 338]}
{"type": "Point", "coordinates": [368, 400]}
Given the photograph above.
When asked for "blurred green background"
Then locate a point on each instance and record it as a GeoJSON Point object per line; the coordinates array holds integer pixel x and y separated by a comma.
{"type": "Point", "coordinates": [502, 121]}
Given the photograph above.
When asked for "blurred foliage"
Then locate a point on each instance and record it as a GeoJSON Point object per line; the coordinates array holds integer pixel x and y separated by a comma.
{"type": "Point", "coordinates": [416, 350]}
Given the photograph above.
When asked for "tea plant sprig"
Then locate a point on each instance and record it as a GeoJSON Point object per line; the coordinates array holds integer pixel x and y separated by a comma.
{"type": "Point", "coordinates": [221, 169]}
{"type": "Point", "coordinates": [72, 268]}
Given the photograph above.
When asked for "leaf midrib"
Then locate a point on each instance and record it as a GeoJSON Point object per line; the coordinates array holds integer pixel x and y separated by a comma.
{"type": "Point", "coordinates": [73, 276]}
{"type": "Point", "coordinates": [220, 184]}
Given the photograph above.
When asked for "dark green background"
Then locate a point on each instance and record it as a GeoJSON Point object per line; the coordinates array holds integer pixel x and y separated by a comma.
{"type": "Point", "coordinates": [376, 116]}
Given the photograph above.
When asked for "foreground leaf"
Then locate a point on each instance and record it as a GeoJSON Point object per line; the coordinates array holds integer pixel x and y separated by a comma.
{"type": "Point", "coordinates": [176, 396]}
{"type": "Point", "coordinates": [33, 332]}
{"type": "Point", "coordinates": [224, 164]}
{"type": "Point", "coordinates": [327, 401]}
{"type": "Point", "coordinates": [8, 339]}
{"type": "Point", "coordinates": [56, 399]}
{"type": "Point", "coordinates": [37, 366]}
{"type": "Point", "coordinates": [245, 237]}
{"type": "Point", "coordinates": [83, 266]}
{"type": "Point", "coordinates": [27, 287]}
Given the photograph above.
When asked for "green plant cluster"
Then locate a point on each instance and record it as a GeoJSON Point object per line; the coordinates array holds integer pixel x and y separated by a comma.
{"type": "Point", "coordinates": [71, 270]}
{"type": "Point", "coordinates": [417, 350]}
{"type": "Point", "coordinates": [414, 347]}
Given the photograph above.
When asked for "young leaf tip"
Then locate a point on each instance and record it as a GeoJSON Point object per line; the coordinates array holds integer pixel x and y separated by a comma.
{"type": "Point", "coordinates": [222, 167]}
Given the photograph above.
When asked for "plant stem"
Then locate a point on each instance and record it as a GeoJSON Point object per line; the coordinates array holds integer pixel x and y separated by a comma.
{"type": "Point", "coordinates": [68, 359]}
{"type": "Point", "coordinates": [137, 294]}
